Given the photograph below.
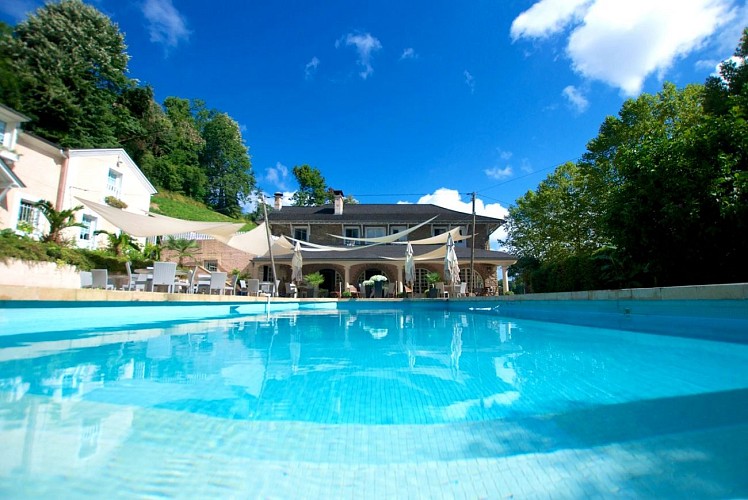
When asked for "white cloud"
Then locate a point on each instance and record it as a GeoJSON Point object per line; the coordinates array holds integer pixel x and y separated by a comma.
{"type": "Point", "coordinates": [165, 24]}
{"type": "Point", "coordinates": [277, 176]}
{"type": "Point", "coordinates": [547, 17]}
{"type": "Point", "coordinates": [504, 155]}
{"type": "Point", "coordinates": [622, 43]}
{"type": "Point", "coordinates": [311, 68]}
{"type": "Point", "coordinates": [408, 53]}
{"type": "Point", "coordinates": [576, 99]}
{"type": "Point", "coordinates": [469, 80]}
{"type": "Point", "coordinates": [450, 198]}
{"type": "Point", "coordinates": [365, 46]}
{"type": "Point", "coordinates": [498, 172]}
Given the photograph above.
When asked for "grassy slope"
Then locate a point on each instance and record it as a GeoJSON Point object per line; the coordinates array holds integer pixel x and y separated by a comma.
{"type": "Point", "coordinates": [182, 207]}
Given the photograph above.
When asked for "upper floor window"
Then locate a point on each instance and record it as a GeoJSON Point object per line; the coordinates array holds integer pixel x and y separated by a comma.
{"type": "Point", "coordinates": [375, 232]}
{"type": "Point", "coordinates": [88, 228]}
{"type": "Point", "coordinates": [3, 126]}
{"type": "Point", "coordinates": [437, 230]}
{"type": "Point", "coordinates": [301, 233]}
{"type": "Point", "coordinates": [211, 265]}
{"type": "Point", "coordinates": [114, 183]}
{"type": "Point", "coordinates": [398, 229]}
{"type": "Point", "coordinates": [352, 232]}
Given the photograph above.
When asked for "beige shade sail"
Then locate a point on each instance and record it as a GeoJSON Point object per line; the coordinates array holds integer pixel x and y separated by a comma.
{"type": "Point", "coordinates": [160, 225]}
{"type": "Point", "coordinates": [384, 239]}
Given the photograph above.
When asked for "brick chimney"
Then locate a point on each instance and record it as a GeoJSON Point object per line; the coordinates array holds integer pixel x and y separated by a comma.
{"type": "Point", "coordinates": [338, 202]}
{"type": "Point", "coordinates": [278, 201]}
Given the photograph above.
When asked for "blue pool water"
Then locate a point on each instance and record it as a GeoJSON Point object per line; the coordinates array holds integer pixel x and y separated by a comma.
{"type": "Point", "coordinates": [375, 402]}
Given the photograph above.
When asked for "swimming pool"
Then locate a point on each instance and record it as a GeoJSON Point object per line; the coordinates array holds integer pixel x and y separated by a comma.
{"type": "Point", "coordinates": [419, 400]}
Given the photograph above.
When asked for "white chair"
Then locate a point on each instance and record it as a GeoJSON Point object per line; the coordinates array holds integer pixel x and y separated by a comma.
{"type": "Point", "coordinates": [130, 285]}
{"type": "Point", "coordinates": [100, 279]}
{"type": "Point", "coordinates": [463, 289]}
{"type": "Point", "coordinates": [242, 287]}
{"type": "Point", "coordinates": [230, 288]}
{"type": "Point", "coordinates": [188, 285]}
{"type": "Point", "coordinates": [217, 282]}
{"type": "Point", "coordinates": [253, 287]}
{"type": "Point", "coordinates": [164, 274]}
{"type": "Point", "coordinates": [86, 279]}
{"type": "Point", "coordinates": [291, 290]}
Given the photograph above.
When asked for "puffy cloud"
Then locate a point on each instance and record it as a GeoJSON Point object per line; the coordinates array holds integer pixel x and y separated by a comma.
{"type": "Point", "coordinates": [450, 198]}
{"type": "Point", "coordinates": [622, 43]}
{"type": "Point", "coordinates": [576, 99]}
{"type": "Point", "coordinates": [469, 80]}
{"type": "Point", "coordinates": [277, 176]}
{"type": "Point", "coordinates": [365, 46]}
{"type": "Point", "coordinates": [408, 53]}
{"type": "Point", "coordinates": [165, 24]}
{"type": "Point", "coordinates": [498, 172]}
{"type": "Point", "coordinates": [311, 68]}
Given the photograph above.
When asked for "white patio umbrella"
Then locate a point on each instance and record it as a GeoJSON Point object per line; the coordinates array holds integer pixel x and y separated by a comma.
{"type": "Point", "coordinates": [296, 263]}
{"type": "Point", "coordinates": [410, 265]}
{"type": "Point", "coordinates": [451, 267]}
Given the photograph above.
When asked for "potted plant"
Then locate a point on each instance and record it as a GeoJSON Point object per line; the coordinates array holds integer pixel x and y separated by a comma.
{"type": "Point", "coordinates": [368, 287]}
{"type": "Point", "coordinates": [314, 280]}
{"type": "Point", "coordinates": [378, 280]}
{"type": "Point", "coordinates": [432, 279]}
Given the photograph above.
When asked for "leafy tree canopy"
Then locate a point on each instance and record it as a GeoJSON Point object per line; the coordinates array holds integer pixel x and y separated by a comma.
{"type": "Point", "coordinates": [313, 189]}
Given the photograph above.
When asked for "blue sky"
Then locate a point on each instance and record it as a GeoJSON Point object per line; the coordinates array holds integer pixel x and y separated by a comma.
{"type": "Point", "coordinates": [421, 101]}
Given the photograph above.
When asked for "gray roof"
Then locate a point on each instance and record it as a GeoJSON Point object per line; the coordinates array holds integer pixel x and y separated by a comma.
{"type": "Point", "coordinates": [377, 213]}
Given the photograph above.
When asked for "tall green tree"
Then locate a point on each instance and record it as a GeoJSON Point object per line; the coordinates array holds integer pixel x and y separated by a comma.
{"type": "Point", "coordinates": [10, 85]}
{"type": "Point", "coordinates": [313, 189]}
{"type": "Point", "coordinates": [225, 160]}
{"type": "Point", "coordinates": [71, 63]}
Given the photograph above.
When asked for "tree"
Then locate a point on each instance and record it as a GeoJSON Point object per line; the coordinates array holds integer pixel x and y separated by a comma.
{"type": "Point", "coordinates": [59, 220]}
{"type": "Point", "coordinates": [313, 190]}
{"type": "Point", "coordinates": [182, 247]}
{"type": "Point", "coordinates": [10, 86]}
{"type": "Point", "coordinates": [225, 160]}
{"type": "Point", "coordinates": [118, 243]}
{"type": "Point", "coordinates": [72, 65]}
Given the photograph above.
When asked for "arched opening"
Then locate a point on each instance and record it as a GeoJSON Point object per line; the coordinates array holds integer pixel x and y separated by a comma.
{"type": "Point", "coordinates": [332, 280]}
{"type": "Point", "coordinates": [465, 278]}
{"type": "Point", "coordinates": [368, 273]}
{"type": "Point", "coordinates": [420, 285]}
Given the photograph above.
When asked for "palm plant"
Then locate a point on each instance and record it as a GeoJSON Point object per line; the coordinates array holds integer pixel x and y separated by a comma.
{"type": "Point", "coordinates": [118, 243]}
{"type": "Point", "coordinates": [182, 247]}
{"type": "Point", "coordinates": [59, 220]}
{"type": "Point", "coordinates": [152, 251]}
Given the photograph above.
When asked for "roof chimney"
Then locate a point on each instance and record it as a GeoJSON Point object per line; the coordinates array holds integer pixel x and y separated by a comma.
{"type": "Point", "coordinates": [278, 201]}
{"type": "Point", "coordinates": [338, 202]}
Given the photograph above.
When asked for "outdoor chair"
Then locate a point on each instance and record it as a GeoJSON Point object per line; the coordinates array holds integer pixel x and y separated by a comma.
{"type": "Point", "coordinates": [217, 282]}
{"type": "Point", "coordinates": [86, 279]}
{"type": "Point", "coordinates": [353, 291]}
{"type": "Point", "coordinates": [164, 274]}
{"type": "Point", "coordinates": [100, 279]}
{"type": "Point", "coordinates": [463, 290]}
{"type": "Point", "coordinates": [253, 287]}
{"type": "Point", "coordinates": [242, 287]}
{"type": "Point", "coordinates": [291, 290]}
{"type": "Point", "coordinates": [230, 288]}
{"type": "Point", "coordinates": [390, 290]}
{"type": "Point", "coordinates": [188, 285]}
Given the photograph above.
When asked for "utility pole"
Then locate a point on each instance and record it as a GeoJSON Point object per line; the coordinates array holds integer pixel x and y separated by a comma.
{"type": "Point", "coordinates": [270, 242]}
{"type": "Point", "coordinates": [472, 252]}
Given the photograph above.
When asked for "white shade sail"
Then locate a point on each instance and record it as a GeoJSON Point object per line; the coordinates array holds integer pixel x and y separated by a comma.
{"type": "Point", "coordinates": [160, 225]}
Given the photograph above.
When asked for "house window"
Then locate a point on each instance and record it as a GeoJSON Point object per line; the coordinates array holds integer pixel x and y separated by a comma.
{"type": "Point", "coordinates": [211, 265]}
{"type": "Point", "coordinates": [114, 183]}
{"type": "Point", "coordinates": [375, 231]}
{"type": "Point", "coordinates": [28, 217]}
{"type": "Point", "coordinates": [420, 284]}
{"type": "Point", "coordinates": [352, 232]}
{"type": "Point", "coordinates": [301, 233]}
{"type": "Point", "coordinates": [89, 226]}
{"type": "Point", "coordinates": [398, 229]}
{"type": "Point", "coordinates": [437, 230]}
{"type": "Point", "coordinates": [3, 126]}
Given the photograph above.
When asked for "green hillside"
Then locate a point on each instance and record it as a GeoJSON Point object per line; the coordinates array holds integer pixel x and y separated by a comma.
{"type": "Point", "coordinates": [182, 207]}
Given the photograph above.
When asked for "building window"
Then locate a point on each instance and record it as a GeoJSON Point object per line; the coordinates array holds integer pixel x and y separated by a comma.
{"type": "Point", "coordinates": [465, 278]}
{"type": "Point", "coordinates": [211, 265]}
{"type": "Point", "coordinates": [420, 284]}
{"type": "Point", "coordinates": [437, 230]}
{"type": "Point", "coordinates": [114, 183]}
{"type": "Point", "coordinates": [352, 232]}
{"type": "Point", "coordinates": [463, 232]}
{"type": "Point", "coordinates": [398, 229]}
{"type": "Point", "coordinates": [89, 226]}
{"type": "Point", "coordinates": [28, 217]}
{"type": "Point", "coordinates": [375, 231]}
{"type": "Point", "coordinates": [3, 127]}
{"type": "Point", "coordinates": [301, 233]}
